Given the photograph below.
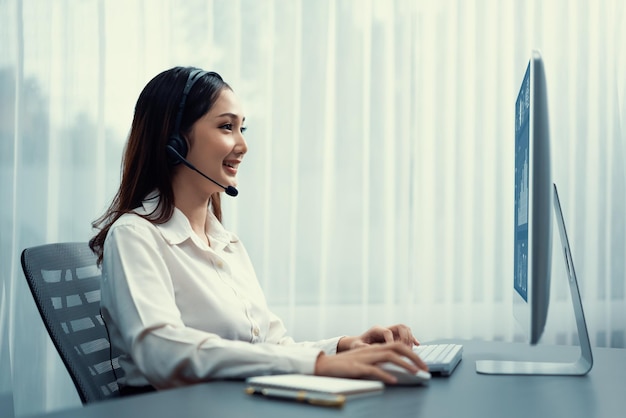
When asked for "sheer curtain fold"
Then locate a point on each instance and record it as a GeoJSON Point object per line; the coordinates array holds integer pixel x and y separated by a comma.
{"type": "Point", "coordinates": [378, 186]}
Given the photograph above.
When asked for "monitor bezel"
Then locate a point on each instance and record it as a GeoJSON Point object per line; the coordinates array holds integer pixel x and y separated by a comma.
{"type": "Point", "coordinates": [531, 315]}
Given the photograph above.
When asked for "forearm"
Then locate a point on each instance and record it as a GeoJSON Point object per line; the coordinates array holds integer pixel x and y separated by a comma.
{"type": "Point", "coordinates": [169, 357]}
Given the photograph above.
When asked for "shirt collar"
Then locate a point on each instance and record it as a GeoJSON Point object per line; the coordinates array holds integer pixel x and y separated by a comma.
{"type": "Point", "coordinates": [178, 229]}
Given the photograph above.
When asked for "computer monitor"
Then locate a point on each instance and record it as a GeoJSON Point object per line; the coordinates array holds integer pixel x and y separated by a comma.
{"type": "Point", "coordinates": [535, 198]}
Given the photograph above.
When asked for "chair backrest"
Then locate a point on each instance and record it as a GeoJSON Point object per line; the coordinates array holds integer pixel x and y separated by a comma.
{"type": "Point", "coordinates": [65, 282]}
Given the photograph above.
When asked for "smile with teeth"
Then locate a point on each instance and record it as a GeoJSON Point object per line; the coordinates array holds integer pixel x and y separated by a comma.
{"type": "Point", "coordinates": [231, 166]}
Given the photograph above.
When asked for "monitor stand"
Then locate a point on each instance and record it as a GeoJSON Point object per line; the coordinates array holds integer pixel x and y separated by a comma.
{"type": "Point", "coordinates": [584, 363]}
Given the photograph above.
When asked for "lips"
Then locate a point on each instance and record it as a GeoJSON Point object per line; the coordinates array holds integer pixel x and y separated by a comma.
{"type": "Point", "coordinates": [231, 165]}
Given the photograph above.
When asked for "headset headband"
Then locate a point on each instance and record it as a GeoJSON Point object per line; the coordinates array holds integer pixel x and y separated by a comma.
{"type": "Point", "coordinates": [194, 76]}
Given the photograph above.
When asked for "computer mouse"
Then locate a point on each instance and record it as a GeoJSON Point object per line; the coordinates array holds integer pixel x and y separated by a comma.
{"type": "Point", "coordinates": [404, 376]}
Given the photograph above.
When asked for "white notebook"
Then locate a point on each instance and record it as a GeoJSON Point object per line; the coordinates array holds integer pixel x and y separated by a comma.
{"type": "Point", "coordinates": [321, 390]}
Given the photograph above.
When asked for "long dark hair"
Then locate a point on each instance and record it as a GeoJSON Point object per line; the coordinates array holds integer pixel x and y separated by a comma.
{"type": "Point", "coordinates": [145, 165]}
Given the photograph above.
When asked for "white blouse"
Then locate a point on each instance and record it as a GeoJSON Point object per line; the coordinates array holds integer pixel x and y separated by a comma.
{"type": "Point", "coordinates": [184, 312]}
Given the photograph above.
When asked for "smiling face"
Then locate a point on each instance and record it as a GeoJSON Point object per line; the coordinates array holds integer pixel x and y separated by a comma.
{"type": "Point", "coordinates": [217, 144]}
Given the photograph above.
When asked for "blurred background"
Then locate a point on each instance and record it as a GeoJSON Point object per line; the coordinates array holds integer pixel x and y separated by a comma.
{"type": "Point", "coordinates": [378, 186]}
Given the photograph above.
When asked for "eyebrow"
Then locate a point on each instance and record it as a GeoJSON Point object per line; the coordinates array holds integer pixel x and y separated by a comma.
{"type": "Point", "coordinates": [231, 115]}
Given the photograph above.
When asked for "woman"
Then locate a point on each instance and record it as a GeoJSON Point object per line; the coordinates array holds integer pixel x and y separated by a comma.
{"type": "Point", "coordinates": [179, 294]}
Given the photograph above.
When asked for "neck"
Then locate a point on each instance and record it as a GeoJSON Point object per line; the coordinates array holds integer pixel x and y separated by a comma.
{"type": "Point", "coordinates": [194, 206]}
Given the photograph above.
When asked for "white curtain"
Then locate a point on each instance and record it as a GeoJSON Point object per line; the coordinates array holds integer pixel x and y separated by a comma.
{"type": "Point", "coordinates": [378, 187]}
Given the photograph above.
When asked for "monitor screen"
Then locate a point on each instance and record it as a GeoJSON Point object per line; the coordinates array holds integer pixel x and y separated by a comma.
{"type": "Point", "coordinates": [522, 178]}
{"type": "Point", "coordinates": [533, 202]}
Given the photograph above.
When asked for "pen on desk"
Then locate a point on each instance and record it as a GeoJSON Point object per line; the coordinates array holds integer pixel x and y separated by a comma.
{"type": "Point", "coordinates": [312, 398]}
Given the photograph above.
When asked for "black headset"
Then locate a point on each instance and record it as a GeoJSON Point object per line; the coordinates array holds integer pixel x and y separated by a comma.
{"type": "Point", "coordinates": [177, 145]}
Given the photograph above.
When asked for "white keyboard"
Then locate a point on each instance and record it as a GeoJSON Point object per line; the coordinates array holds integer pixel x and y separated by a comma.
{"type": "Point", "coordinates": [440, 358]}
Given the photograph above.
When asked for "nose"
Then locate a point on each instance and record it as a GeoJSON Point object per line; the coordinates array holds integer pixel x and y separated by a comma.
{"type": "Point", "coordinates": [241, 146]}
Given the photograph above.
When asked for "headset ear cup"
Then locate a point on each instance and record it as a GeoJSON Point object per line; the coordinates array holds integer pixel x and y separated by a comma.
{"type": "Point", "coordinates": [176, 148]}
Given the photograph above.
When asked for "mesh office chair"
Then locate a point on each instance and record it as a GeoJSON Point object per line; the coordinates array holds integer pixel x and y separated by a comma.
{"type": "Point", "coordinates": [65, 282]}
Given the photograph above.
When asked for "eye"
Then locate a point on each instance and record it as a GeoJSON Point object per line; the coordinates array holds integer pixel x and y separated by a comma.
{"type": "Point", "coordinates": [243, 129]}
{"type": "Point", "coordinates": [227, 126]}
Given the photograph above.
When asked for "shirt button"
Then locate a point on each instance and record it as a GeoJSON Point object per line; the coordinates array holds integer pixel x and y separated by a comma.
{"type": "Point", "coordinates": [220, 264]}
{"type": "Point", "coordinates": [256, 332]}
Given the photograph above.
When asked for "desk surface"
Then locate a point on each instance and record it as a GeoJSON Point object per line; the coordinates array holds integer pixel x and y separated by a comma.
{"type": "Point", "coordinates": [602, 393]}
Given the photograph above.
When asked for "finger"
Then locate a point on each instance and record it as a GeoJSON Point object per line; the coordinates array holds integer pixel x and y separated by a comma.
{"type": "Point", "coordinates": [412, 365]}
{"type": "Point", "coordinates": [399, 331]}
{"type": "Point", "coordinates": [417, 361]}
{"type": "Point", "coordinates": [407, 353]}
{"type": "Point", "coordinates": [388, 335]}
{"type": "Point", "coordinates": [378, 334]}
{"type": "Point", "coordinates": [395, 352]}
{"type": "Point", "coordinates": [358, 344]}
{"type": "Point", "coordinates": [375, 372]}
{"type": "Point", "coordinates": [365, 364]}
{"type": "Point", "coordinates": [405, 335]}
